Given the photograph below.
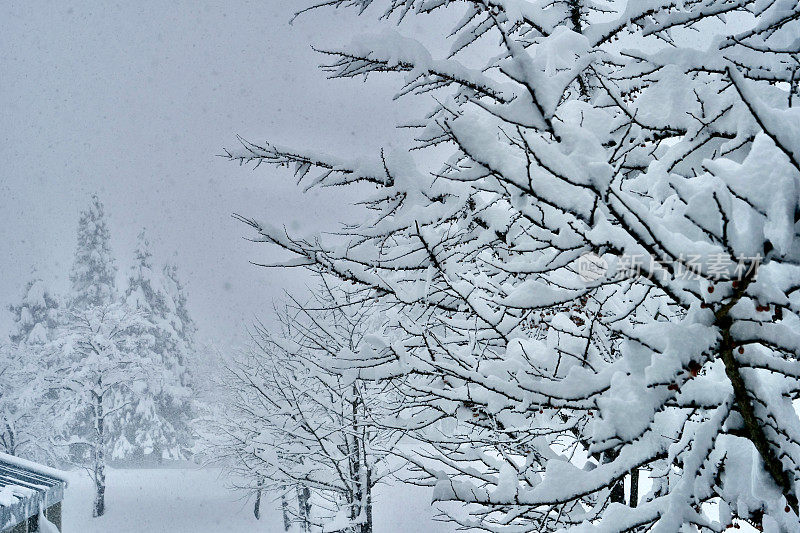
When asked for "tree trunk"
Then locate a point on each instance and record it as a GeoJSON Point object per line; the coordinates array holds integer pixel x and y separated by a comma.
{"type": "Point", "coordinates": [358, 468]}
{"type": "Point", "coordinates": [287, 522]}
{"type": "Point", "coordinates": [99, 459]}
{"type": "Point", "coordinates": [618, 487]}
{"type": "Point", "coordinates": [634, 499]}
{"type": "Point", "coordinates": [304, 506]}
{"type": "Point", "coordinates": [257, 505]}
{"type": "Point", "coordinates": [158, 453]}
{"type": "Point", "coordinates": [753, 427]}
{"type": "Point", "coordinates": [367, 526]}
{"type": "Point", "coordinates": [10, 445]}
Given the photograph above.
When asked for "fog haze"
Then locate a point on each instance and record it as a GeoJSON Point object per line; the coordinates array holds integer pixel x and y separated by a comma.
{"type": "Point", "coordinates": [135, 101]}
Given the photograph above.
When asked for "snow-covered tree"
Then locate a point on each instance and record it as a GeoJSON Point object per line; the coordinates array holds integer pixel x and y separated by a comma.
{"type": "Point", "coordinates": [25, 427]}
{"type": "Point", "coordinates": [157, 423]}
{"type": "Point", "coordinates": [93, 274]}
{"type": "Point", "coordinates": [294, 427]}
{"type": "Point", "coordinates": [100, 370]}
{"type": "Point", "coordinates": [36, 316]}
{"type": "Point", "coordinates": [180, 361]}
{"type": "Point", "coordinates": [95, 368]}
{"type": "Point", "coordinates": [598, 284]}
{"type": "Point", "coordinates": [177, 304]}
{"type": "Point", "coordinates": [23, 421]}
{"type": "Point", "coordinates": [26, 417]}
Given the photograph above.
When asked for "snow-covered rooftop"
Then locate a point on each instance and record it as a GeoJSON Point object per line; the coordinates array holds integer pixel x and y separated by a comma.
{"type": "Point", "coordinates": [25, 487]}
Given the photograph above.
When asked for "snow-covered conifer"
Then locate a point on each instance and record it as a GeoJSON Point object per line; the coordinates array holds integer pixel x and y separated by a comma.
{"type": "Point", "coordinates": [36, 315]}
{"type": "Point", "coordinates": [93, 274]}
{"type": "Point", "coordinates": [157, 422]}
{"type": "Point", "coordinates": [25, 427]}
{"type": "Point", "coordinates": [25, 420]}
{"type": "Point", "coordinates": [178, 310]}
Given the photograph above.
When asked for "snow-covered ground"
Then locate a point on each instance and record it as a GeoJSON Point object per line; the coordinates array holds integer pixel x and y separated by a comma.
{"type": "Point", "coordinates": [195, 500]}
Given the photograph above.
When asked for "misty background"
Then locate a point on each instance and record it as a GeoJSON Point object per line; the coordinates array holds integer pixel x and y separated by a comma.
{"type": "Point", "coordinates": [135, 101]}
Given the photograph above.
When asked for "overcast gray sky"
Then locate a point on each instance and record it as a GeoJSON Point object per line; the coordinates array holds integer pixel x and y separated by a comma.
{"type": "Point", "coordinates": [134, 100]}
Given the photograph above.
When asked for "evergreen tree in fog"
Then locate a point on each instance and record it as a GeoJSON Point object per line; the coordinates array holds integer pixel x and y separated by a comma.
{"type": "Point", "coordinates": [156, 423]}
